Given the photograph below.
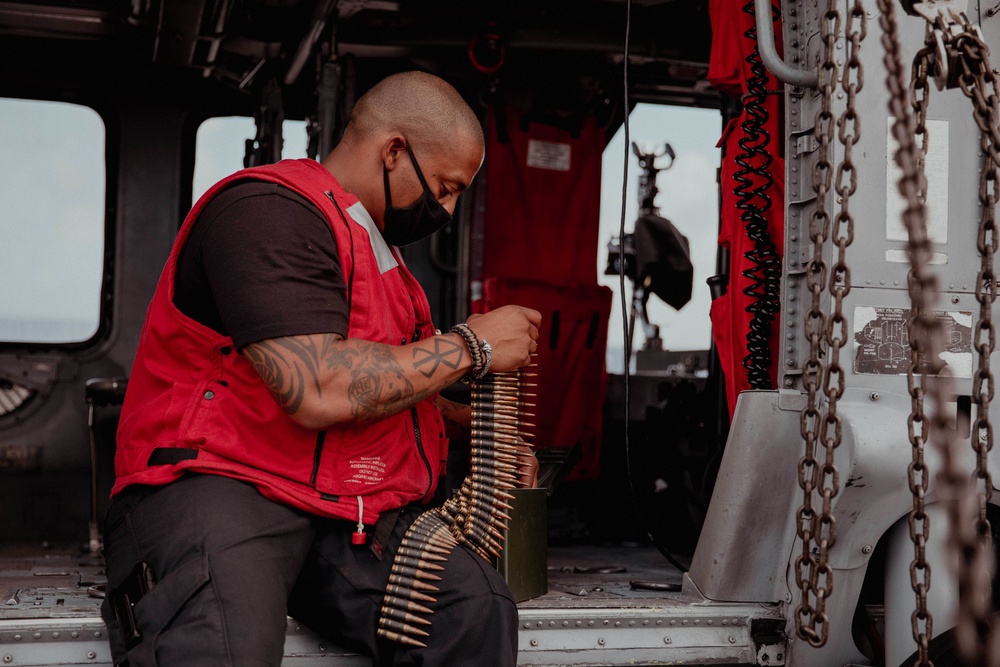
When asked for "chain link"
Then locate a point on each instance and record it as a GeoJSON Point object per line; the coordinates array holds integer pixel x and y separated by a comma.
{"type": "Point", "coordinates": [974, 535]}
{"type": "Point", "coordinates": [971, 532]}
{"type": "Point", "coordinates": [923, 292]}
{"type": "Point", "coordinates": [817, 530]}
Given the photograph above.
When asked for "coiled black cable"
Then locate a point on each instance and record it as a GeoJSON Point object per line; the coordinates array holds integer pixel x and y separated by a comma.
{"type": "Point", "coordinates": [754, 181]}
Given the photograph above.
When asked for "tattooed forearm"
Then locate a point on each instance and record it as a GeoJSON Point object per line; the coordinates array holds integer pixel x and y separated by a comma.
{"type": "Point", "coordinates": [284, 375]}
{"type": "Point", "coordinates": [378, 386]}
{"type": "Point", "coordinates": [446, 353]}
{"type": "Point", "coordinates": [322, 379]}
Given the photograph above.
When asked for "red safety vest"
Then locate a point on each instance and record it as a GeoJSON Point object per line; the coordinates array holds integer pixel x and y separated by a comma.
{"type": "Point", "coordinates": [195, 404]}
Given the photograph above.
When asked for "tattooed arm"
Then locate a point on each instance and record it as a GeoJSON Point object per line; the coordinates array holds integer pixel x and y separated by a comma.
{"type": "Point", "coordinates": [322, 379]}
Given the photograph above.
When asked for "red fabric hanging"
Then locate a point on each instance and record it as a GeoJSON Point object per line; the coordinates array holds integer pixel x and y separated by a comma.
{"type": "Point", "coordinates": [543, 201]}
{"type": "Point", "coordinates": [729, 72]}
{"type": "Point", "coordinates": [572, 382]}
{"type": "Point", "coordinates": [540, 251]}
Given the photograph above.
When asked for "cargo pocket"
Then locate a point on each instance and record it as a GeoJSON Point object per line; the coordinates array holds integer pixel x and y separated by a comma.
{"type": "Point", "coordinates": [171, 638]}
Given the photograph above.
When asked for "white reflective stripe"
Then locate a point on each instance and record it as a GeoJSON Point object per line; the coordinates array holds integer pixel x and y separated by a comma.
{"type": "Point", "coordinates": [361, 511]}
{"type": "Point", "coordinates": [383, 255]}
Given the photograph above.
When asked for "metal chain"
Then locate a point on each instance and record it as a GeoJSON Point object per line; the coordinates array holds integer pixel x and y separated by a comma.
{"type": "Point", "coordinates": [974, 536]}
{"type": "Point", "coordinates": [971, 533]}
{"type": "Point", "coordinates": [818, 531]}
{"type": "Point", "coordinates": [923, 292]}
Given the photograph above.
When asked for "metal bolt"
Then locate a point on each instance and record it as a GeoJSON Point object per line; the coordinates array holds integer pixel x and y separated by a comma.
{"type": "Point", "coordinates": [732, 640]}
{"type": "Point", "coordinates": [322, 648]}
{"type": "Point", "coordinates": [534, 642]}
{"type": "Point", "coordinates": [874, 396]}
{"type": "Point", "coordinates": [867, 549]}
{"type": "Point", "coordinates": [37, 635]}
{"type": "Point", "coordinates": [91, 655]}
{"type": "Point", "coordinates": [666, 640]}
{"type": "Point", "coordinates": [600, 640]}
{"type": "Point", "coordinates": [8, 658]}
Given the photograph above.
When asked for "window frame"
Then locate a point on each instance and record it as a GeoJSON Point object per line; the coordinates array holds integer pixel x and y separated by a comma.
{"type": "Point", "coordinates": [111, 169]}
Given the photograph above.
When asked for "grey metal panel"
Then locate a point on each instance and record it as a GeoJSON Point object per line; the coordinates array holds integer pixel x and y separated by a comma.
{"type": "Point", "coordinates": [749, 545]}
{"type": "Point", "coordinates": [667, 634]}
{"type": "Point", "coordinates": [682, 633]}
{"type": "Point", "coordinates": [867, 255]}
{"type": "Point", "coordinates": [749, 528]}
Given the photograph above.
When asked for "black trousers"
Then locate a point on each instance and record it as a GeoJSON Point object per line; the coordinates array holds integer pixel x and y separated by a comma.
{"type": "Point", "coordinates": [229, 566]}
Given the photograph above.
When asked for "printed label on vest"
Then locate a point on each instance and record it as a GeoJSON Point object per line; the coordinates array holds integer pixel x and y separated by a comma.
{"type": "Point", "coordinates": [366, 470]}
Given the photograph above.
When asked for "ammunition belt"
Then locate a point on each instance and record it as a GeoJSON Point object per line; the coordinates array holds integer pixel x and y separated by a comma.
{"type": "Point", "coordinates": [475, 515]}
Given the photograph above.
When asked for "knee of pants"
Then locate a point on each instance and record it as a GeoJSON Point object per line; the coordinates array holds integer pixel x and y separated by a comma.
{"type": "Point", "coordinates": [467, 578]}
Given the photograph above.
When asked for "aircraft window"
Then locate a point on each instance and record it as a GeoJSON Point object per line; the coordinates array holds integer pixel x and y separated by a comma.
{"type": "Point", "coordinates": [52, 221]}
{"type": "Point", "coordinates": [688, 197]}
{"type": "Point", "coordinates": [221, 142]}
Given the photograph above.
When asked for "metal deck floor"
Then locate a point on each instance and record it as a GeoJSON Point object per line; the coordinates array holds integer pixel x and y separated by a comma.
{"type": "Point", "coordinates": [592, 614]}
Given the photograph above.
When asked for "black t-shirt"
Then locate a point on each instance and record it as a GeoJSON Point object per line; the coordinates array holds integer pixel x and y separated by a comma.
{"type": "Point", "coordinates": [261, 262]}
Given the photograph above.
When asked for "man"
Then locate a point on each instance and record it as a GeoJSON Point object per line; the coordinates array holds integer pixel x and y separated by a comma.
{"type": "Point", "coordinates": [279, 433]}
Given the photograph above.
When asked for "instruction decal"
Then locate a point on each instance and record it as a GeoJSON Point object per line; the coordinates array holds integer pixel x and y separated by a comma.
{"type": "Point", "coordinates": [882, 342]}
{"type": "Point", "coordinates": [549, 155]}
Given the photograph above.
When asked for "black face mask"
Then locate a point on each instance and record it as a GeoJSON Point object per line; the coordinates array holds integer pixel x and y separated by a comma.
{"type": "Point", "coordinates": [404, 225]}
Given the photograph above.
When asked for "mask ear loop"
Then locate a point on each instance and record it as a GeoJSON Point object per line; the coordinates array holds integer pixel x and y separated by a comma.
{"type": "Point", "coordinates": [385, 183]}
{"type": "Point", "coordinates": [416, 168]}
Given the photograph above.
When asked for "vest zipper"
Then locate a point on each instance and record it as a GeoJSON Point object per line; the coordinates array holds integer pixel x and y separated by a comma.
{"type": "Point", "coordinates": [320, 439]}
{"type": "Point", "coordinates": [420, 448]}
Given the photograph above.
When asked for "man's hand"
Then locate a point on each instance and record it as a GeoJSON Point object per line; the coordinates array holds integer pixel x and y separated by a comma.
{"type": "Point", "coordinates": [512, 332]}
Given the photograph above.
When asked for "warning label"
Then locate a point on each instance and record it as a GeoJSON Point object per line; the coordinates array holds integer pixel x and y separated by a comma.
{"type": "Point", "coordinates": [367, 470]}
{"type": "Point", "coordinates": [548, 155]}
{"type": "Point", "coordinates": [882, 341]}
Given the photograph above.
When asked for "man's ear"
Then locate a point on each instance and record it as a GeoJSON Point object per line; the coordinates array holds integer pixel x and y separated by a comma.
{"type": "Point", "coordinates": [392, 147]}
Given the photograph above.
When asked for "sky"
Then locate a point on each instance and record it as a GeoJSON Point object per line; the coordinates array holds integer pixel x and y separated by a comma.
{"type": "Point", "coordinates": [51, 212]}
{"type": "Point", "coordinates": [688, 197]}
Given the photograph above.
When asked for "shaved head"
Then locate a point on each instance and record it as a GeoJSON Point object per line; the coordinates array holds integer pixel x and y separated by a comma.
{"type": "Point", "coordinates": [424, 108]}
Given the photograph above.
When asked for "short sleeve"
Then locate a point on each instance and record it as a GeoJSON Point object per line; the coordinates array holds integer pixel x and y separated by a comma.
{"type": "Point", "coordinates": [268, 261]}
